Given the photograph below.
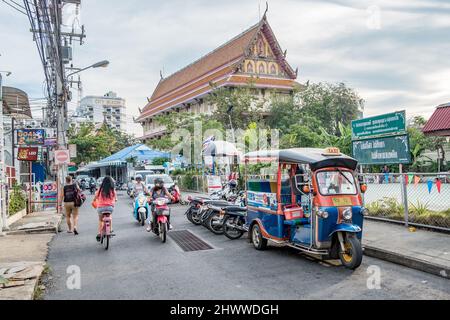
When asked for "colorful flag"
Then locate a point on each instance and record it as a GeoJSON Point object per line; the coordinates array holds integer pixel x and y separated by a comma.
{"type": "Point", "coordinates": [386, 177]}
{"type": "Point", "coordinates": [430, 185]}
{"type": "Point", "coordinates": [416, 180]}
{"type": "Point", "coordinates": [438, 185]}
{"type": "Point", "coordinates": [411, 178]}
{"type": "Point", "coordinates": [406, 179]}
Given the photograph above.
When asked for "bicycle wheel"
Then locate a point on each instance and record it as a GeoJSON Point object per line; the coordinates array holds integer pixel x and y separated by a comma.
{"type": "Point", "coordinates": [106, 242]}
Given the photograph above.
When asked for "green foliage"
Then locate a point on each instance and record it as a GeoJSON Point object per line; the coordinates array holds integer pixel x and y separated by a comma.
{"type": "Point", "coordinates": [160, 161]}
{"type": "Point", "coordinates": [246, 107]}
{"type": "Point", "coordinates": [18, 200]}
{"type": "Point", "coordinates": [95, 144]}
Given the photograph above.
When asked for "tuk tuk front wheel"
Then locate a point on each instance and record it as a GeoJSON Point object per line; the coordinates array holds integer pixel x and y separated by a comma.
{"type": "Point", "coordinates": [352, 257]}
{"type": "Point", "coordinates": [258, 241]}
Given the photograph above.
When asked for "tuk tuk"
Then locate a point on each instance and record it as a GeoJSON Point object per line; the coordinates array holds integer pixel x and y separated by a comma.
{"type": "Point", "coordinates": [311, 201]}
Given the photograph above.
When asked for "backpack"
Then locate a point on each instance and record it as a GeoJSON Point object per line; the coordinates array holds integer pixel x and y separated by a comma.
{"type": "Point", "coordinates": [80, 198]}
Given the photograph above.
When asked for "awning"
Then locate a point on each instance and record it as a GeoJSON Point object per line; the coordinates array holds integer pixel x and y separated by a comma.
{"type": "Point", "coordinates": [220, 149]}
{"type": "Point", "coordinates": [16, 104]}
{"type": "Point", "coordinates": [439, 123]}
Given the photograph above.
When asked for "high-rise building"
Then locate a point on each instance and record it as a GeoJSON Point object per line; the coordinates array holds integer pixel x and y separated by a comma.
{"type": "Point", "coordinates": [98, 109]}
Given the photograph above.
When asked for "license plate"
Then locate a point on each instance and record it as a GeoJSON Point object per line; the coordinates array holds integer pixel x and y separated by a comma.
{"type": "Point", "coordinates": [342, 202]}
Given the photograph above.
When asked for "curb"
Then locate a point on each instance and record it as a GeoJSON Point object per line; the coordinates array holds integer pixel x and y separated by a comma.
{"type": "Point", "coordinates": [407, 261]}
{"type": "Point", "coordinates": [53, 229]}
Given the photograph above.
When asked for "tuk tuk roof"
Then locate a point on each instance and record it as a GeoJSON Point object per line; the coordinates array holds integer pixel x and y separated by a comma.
{"type": "Point", "coordinates": [316, 158]}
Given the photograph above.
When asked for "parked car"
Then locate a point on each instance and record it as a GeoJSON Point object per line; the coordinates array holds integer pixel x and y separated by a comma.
{"type": "Point", "coordinates": [149, 180]}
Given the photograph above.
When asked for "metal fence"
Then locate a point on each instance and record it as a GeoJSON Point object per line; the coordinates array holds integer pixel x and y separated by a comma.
{"type": "Point", "coordinates": [415, 199]}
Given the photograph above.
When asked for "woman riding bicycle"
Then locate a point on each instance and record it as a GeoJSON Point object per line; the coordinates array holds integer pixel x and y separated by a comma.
{"type": "Point", "coordinates": [106, 198]}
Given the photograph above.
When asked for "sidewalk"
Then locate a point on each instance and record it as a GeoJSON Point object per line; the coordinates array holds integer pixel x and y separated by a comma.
{"type": "Point", "coordinates": [23, 252]}
{"type": "Point", "coordinates": [423, 250]}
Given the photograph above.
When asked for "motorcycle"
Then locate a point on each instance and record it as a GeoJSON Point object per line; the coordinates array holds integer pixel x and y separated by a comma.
{"type": "Point", "coordinates": [92, 187]}
{"type": "Point", "coordinates": [175, 192]}
{"type": "Point", "coordinates": [141, 208]}
{"type": "Point", "coordinates": [83, 185]}
{"type": "Point", "coordinates": [160, 219]}
{"type": "Point", "coordinates": [213, 217]}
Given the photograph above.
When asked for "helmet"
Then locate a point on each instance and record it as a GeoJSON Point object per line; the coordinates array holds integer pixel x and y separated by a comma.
{"type": "Point", "coordinates": [138, 177]}
{"type": "Point", "coordinates": [233, 184]}
{"type": "Point", "coordinates": [159, 183]}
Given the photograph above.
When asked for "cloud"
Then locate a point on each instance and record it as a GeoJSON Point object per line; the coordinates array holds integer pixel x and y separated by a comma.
{"type": "Point", "coordinates": [402, 64]}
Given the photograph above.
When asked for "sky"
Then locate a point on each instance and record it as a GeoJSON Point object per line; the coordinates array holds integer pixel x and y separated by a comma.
{"type": "Point", "coordinates": [395, 54]}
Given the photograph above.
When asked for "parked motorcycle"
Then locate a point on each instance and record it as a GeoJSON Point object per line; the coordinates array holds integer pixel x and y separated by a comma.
{"type": "Point", "coordinates": [175, 192]}
{"type": "Point", "coordinates": [234, 222]}
{"type": "Point", "coordinates": [141, 208]}
{"type": "Point", "coordinates": [160, 219]}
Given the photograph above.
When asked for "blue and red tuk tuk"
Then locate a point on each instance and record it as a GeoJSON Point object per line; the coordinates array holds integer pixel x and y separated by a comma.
{"type": "Point", "coordinates": [308, 199]}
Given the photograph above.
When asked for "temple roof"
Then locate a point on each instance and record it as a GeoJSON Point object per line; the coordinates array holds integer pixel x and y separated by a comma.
{"type": "Point", "coordinates": [439, 123]}
{"type": "Point", "coordinates": [216, 67]}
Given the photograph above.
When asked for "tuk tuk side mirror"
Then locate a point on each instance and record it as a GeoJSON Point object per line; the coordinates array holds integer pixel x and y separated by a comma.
{"type": "Point", "coordinates": [306, 189]}
{"type": "Point", "coordinates": [363, 188]}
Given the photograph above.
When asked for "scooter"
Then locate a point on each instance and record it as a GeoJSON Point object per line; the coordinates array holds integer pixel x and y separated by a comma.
{"type": "Point", "coordinates": [160, 218]}
{"type": "Point", "coordinates": [92, 187]}
{"type": "Point", "coordinates": [141, 208]}
{"type": "Point", "coordinates": [175, 192]}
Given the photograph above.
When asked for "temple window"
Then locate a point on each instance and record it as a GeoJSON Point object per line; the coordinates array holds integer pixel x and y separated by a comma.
{"type": "Point", "coordinates": [262, 69]}
{"type": "Point", "coordinates": [249, 67]}
{"type": "Point", "coordinates": [273, 69]}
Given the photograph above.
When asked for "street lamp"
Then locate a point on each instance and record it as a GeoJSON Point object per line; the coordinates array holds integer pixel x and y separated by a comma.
{"type": "Point", "coordinates": [3, 218]}
{"type": "Point", "coordinates": [100, 64]}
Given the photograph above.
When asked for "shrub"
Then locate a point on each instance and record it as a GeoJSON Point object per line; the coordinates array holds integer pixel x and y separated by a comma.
{"type": "Point", "coordinates": [17, 201]}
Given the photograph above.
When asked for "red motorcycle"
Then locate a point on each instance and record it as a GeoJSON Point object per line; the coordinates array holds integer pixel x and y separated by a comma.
{"type": "Point", "coordinates": [160, 219]}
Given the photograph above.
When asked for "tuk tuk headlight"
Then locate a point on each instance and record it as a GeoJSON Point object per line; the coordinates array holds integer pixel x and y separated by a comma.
{"type": "Point", "coordinates": [364, 212]}
{"type": "Point", "coordinates": [321, 213]}
{"type": "Point", "coordinates": [347, 214]}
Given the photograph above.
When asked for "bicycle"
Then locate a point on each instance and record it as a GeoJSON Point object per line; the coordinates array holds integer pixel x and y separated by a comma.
{"type": "Point", "coordinates": [105, 235]}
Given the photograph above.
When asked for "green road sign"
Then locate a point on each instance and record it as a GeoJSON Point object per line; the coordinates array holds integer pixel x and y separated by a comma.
{"type": "Point", "coordinates": [383, 125]}
{"type": "Point", "coordinates": [387, 150]}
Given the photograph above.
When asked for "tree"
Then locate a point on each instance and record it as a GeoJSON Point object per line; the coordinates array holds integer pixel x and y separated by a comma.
{"type": "Point", "coordinates": [94, 144]}
{"type": "Point", "coordinates": [331, 104]}
{"type": "Point", "coordinates": [246, 107]}
{"type": "Point", "coordinates": [160, 161]}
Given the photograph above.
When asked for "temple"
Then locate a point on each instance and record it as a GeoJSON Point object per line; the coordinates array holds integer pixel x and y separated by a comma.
{"type": "Point", "coordinates": [254, 56]}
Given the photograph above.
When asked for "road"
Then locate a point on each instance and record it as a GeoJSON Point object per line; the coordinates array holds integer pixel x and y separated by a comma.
{"type": "Point", "coordinates": [139, 266]}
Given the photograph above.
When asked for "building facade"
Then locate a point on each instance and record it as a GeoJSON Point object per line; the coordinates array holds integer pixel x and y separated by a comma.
{"type": "Point", "coordinates": [253, 57]}
{"type": "Point", "coordinates": [98, 109]}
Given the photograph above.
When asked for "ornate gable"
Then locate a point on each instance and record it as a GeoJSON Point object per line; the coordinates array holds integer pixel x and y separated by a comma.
{"type": "Point", "coordinates": [263, 57]}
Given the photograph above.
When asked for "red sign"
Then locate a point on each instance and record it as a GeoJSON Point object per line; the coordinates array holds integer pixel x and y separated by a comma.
{"type": "Point", "coordinates": [28, 154]}
{"type": "Point", "coordinates": [62, 156]}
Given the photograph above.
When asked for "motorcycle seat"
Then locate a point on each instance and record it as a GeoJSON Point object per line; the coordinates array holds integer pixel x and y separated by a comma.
{"type": "Point", "coordinates": [235, 209]}
{"type": "Point", "coordinates": [218, 203]}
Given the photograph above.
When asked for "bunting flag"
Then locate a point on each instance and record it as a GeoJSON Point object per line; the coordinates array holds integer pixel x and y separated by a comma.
{"type": "Point", "coordinates": [416, 180]}
{"type": "Point", "coordinates": [406, 179]}
{"type": "Point", "coordinates": [430, 186]}
{"type": "Point", "coordinates": [411, 178]}
{"type": "Point", "coordinates": [438, 185]}
{"type": "Point", "coordinates": [386, 177]}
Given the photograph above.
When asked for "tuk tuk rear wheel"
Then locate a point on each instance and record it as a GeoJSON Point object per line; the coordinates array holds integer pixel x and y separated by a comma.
{"type": "Point", "coordinates": [352, 257]}
{"type": "Point", "coordinates": [258, 241]}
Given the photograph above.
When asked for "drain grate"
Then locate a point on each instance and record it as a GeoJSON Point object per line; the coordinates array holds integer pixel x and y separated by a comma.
{"type": "Point", "coordinates": [188, 241]}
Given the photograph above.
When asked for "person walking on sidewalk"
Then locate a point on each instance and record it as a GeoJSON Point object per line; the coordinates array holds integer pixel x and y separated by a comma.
{"type": "Point", "coordinates": [105, 199]}
{"type": "Point", "coordinates": [68, 197]}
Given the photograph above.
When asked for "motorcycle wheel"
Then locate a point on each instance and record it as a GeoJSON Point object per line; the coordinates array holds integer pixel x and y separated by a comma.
{"type": "Point", "coordinates": [214, 228]}
{"type": "Point", "coordinates": [229, 232]}
{"type": "Point", "coordinates": [163, 232]}
{"type": "Point", "coordinates": [142, 219]}
{"type": "Point", "coordinates": [189, 215]}
{"type": "Point", "coordinates": [196, 219]}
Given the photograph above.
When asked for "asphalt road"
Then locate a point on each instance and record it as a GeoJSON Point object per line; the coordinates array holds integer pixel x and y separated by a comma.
{"type": "Point", "coordinates": [139, 266]}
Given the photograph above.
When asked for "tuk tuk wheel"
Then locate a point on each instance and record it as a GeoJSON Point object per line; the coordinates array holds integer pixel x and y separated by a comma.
{"type": "Point", "coordinates": [352, 257]}
{"type": "Point", "coordinates": [258, 241]}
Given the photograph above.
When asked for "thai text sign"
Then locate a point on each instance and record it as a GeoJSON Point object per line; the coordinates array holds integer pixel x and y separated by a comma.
{"type": "Point", "coordinates": [382, 125]}
{"type": "Point", "coordinates": [387, 150]}
{"type": "Point", "coordinates": [28, 154]}
{"type": "Point", "coordinates": [30, 137]}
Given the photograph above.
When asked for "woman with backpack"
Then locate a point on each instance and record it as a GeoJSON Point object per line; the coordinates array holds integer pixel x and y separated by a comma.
{"type": "Point", "coordinates": [68, 196]}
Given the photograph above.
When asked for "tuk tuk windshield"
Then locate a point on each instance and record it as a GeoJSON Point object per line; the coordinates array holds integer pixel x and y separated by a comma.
{"type": "Point", "coordinates": [336, 182]}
